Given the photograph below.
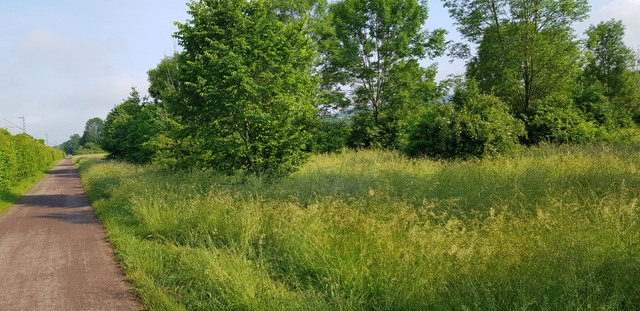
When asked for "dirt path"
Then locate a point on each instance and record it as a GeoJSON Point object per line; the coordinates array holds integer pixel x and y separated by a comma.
{"type": "Point", "coordinates": [53, 251]}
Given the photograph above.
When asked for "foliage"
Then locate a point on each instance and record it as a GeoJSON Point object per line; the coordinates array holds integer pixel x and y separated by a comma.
{"type": "Point", "coordinates": [89, 142]}
{"type": "Point", "coordinates": [555, 228]}
{"type": "Point", "coordinates": [164, 80]}
{"type": "Point", "coordinates": [473, 125]}
{"type": "Point", "coordinates": [70, 146]}
{"type": "Point", "coordinates": [129, 126]}
{"type": "Point", "coordinates": [373, 50]}
{"type": "Point", "coordinates": [591, 99]}
{"type": "Point", "coordinates": [610, 65]}
{"type": "Point", "coordinates": [246, 89]}
{"type": "Point", "coordinates": [557, 120]}
{"type": "Point", "coordinates": [527, 49]}
{"type": "Point", "coordinates": [608, 58]}
{"type": "Point", "coordinates": [329, 134]}
{"type": "Point", "coordinates": [89, 148]}
{"type": "Point", "coordinates": [22, 157]}
{"type": "Point", "coordinates": [92, 132]}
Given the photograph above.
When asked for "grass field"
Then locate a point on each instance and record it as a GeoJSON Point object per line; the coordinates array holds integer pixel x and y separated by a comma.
{"type": "Point", "coordinates": [556, 228]}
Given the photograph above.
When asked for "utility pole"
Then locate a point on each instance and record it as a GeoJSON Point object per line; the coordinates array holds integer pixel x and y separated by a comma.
{"type": "Point", "coordinates": [24, 125]}
{"type": "Point", "coordinates": [46, 139]}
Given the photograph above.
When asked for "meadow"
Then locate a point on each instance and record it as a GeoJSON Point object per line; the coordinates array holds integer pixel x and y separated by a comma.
{"type": "Point", "coordinates": [554, 228]}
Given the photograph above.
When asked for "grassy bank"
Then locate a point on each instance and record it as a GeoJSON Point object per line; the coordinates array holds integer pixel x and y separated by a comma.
{"type": "Point", "coordinates": [555, 228]}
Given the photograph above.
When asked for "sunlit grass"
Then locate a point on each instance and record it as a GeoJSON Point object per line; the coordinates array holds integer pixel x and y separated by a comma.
{"type": "Point", "coordinates": [554, 228]}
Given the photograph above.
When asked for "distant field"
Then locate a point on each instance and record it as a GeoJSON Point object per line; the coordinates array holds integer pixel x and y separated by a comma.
{"type": "Point", "coordinates": [557, 228]}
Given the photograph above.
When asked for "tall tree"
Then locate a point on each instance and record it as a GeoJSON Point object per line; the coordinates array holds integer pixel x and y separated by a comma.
{"type": "Point", "coordinates": [70, 146]}
{"type": "Point", "coordinates": [371, 39]}
{"type": "Point", "coordinates": [526, 48]}
{"type": "Point", "coordinates": [247, 85]}
{"type": "Point", "coordinates": [92, 131]}
{"type": "Point", "coordinates": [610, 61]}
{"type": "Point", "coordinates": [129, 127]}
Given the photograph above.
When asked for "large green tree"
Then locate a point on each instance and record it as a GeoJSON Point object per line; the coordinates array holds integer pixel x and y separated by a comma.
{"type": "Point", "coordinates": [92, 131]}
{"type": "Point", "coordinates": [129, 128]}
{"type": "Point", "coordinates": [526, 48]}
{"type": "Point", "coordinates": [247, 85]}
{"type": "Point", "coordinates": [71, 146]}
{"type": "Point", "coordinates": [610, 63]}
{"type": "Point", "coordinates": [371, 42]}
{"type": "Point", "coordinates": [609, 59]}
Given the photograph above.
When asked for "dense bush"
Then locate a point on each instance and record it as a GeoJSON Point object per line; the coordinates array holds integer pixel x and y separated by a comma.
{"type": "Point", "coordinates": [558, 120]}
{"type": "Point", "coordinates": [21, 156]}
{"type": "Point", "coordinates": [329, 134]}
{"type": "Point", "coordinates": [472, 126]}
{"type": "Point", "coordinates": [598, 107]}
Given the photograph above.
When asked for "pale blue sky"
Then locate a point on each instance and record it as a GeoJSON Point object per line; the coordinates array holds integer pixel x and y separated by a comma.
{"type": "Point", "coordinates": [66, 61]}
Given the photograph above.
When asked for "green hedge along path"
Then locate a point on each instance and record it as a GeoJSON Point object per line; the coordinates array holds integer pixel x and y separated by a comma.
{"type": "Point", "coordinates": [54, 252]}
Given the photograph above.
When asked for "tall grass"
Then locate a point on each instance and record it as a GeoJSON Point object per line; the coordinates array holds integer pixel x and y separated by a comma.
{"type": "Point", "coordinates": [554, 228]}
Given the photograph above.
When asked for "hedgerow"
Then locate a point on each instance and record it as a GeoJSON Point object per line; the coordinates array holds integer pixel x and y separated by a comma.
{"type": "Point", "coordinates": [22, 156]}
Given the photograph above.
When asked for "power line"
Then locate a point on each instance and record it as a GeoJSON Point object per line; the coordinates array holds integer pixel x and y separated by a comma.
{"type": "Point", "coordinates": [14, 125]}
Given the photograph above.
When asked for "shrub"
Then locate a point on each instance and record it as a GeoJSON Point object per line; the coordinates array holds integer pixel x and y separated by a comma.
{"type": "Point", "coordinates": [597, 107]}
{"type": "Point", "coordinates": [557, 120]}
{"type": "Point", "coordinates": [365, 133]}
{"type": "Point", "coordinates": [329, 134]}
{"type": "Point", "coordinates": [473, 126]}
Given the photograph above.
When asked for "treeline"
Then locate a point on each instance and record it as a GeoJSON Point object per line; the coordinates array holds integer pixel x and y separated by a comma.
{"type": "Point", "coordinates": [88, 143]}
{"type": "Point", "coordinates": [22, 156]}
{"type": "Point", "coordinates": [259, 85]}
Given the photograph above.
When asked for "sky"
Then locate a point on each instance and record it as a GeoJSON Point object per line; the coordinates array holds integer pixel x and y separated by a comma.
{"type": "Point", "coordinates": [63, 62]}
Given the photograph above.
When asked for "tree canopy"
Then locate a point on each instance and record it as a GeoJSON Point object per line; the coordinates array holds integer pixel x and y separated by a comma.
{"type": "Point", "coordinates": [526, 49]}
{"type": "Point", "coordinates": [260, 84]}
{"type": "Point", "coordinates": [370, 43]}
{"type": "Point", "coordinates": [129, 126]}
{"type": "Point", "coordinates": [247, 85]}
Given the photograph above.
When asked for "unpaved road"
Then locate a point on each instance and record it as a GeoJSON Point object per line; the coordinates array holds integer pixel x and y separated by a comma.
{"type": "Point", "coordinates": [54, 254]}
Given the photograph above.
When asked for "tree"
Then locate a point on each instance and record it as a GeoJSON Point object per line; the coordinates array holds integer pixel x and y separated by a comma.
{"type": "Point", "coordinates": [70, 146]}
{"type": "Point", "coordinates": [92, 132]}
{"type": "Point", "coordinates": [526, 48]}
{"type": "Point", "coordinates": [247, 86]}
{"type": "Point", "coordinates": [611, 64]}
{"type": "Point", "coordinates": [608, 57]}
{"type": "Point", "coordinates": [371, 39]}
{"type": "Point", "coordinates": [164, 80]}
{"type": "Point", "coordinates": [129, 127]}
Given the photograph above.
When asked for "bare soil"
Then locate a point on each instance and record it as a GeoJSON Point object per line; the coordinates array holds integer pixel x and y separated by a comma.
{"type": "Point", "coordinates": [54, 254]}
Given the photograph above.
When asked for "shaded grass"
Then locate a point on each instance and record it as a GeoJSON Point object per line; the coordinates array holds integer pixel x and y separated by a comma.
{"type": "Point", "coordinates": [9, 197]}
{"type": "Point", "coordinates": [554, 228]}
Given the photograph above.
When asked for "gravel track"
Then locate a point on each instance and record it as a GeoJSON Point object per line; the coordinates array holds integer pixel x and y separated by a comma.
{"type": "Point", "coordinates": [54, 254]}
